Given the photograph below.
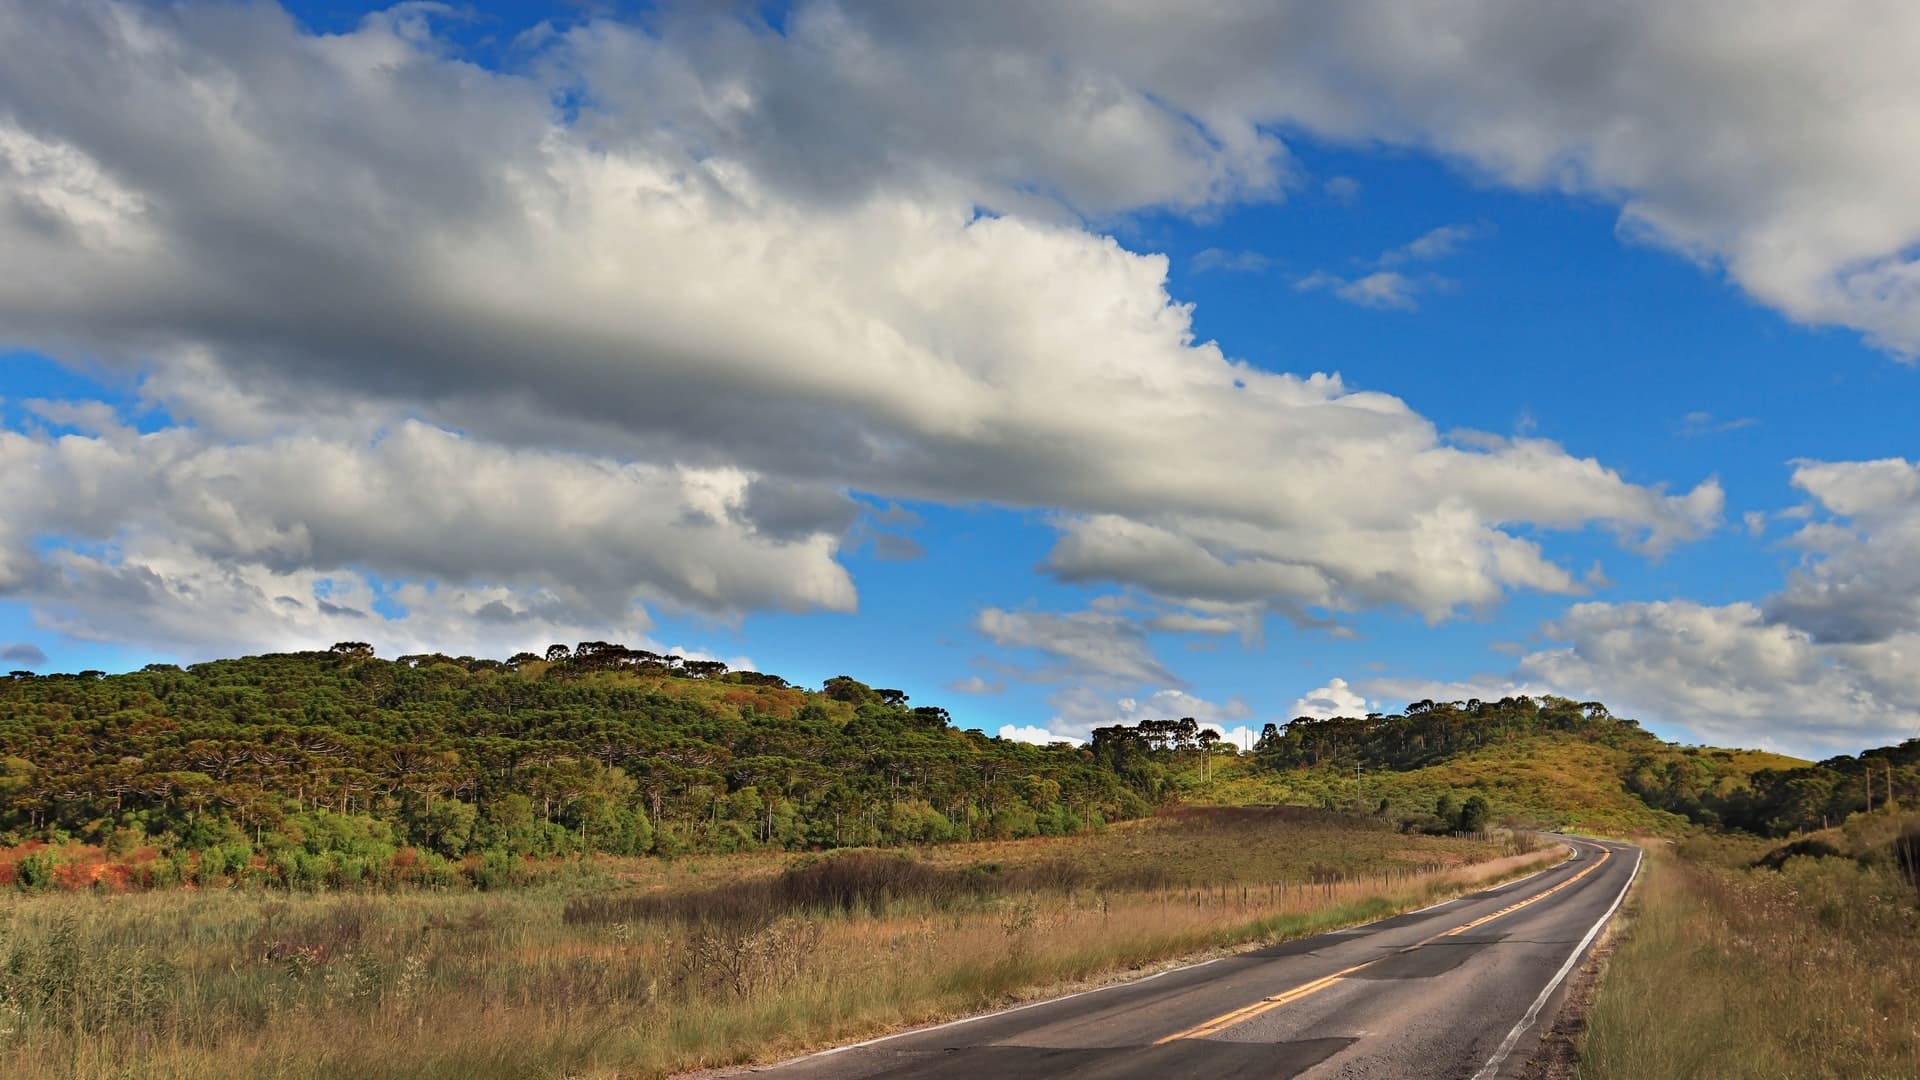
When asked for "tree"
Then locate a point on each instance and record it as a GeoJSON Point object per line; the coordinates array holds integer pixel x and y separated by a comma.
{"type": "Point", "coordinates": [1473, 815]}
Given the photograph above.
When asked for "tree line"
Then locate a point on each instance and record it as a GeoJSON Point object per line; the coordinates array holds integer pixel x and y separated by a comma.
{"type": "Point", "coordinates": [325, 767]}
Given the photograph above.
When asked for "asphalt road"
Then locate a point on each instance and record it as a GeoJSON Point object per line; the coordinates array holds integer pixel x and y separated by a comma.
{"type": "Point", "coordinates": [1458, 990]}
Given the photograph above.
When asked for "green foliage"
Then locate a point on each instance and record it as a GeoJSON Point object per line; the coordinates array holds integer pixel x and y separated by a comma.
{"type": "Point", "coordinates": [1474, 815]}
{"type": "Point", "coordinates": [337, 769]}
{"type": "Point", "coordinates": [1553, 761]}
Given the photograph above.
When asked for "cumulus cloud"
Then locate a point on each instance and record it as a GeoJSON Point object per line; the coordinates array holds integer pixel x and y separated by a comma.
{"type": "Point", "coordinates": [1400, 692]}
{"type": "Point", "coordinates": [1731, 677]}
{"type": "Point", "coordinates": [1804, 199]}
{"type": "Point", "coordinates": [1860, 582]}
{"type": "Point", "coordinates": [1334, 699]}
{"type": "Point", "coordinates": [975, 684]}
{"type": "Point", "coordinates": [1038, 736]}
{"type": "Point", "coordinates": [181, 538]}
{"type": "Point", "coordinates": [1825, 665]}
{"type": "Point", "coordinates": [743, 274]}
{"type": "Point", "coordinates": [1077, 710]}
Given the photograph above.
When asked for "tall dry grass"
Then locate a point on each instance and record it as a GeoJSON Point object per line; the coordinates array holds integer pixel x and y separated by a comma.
{"type": "Point", "coordinates": [543, 983]}
{"type": "Point", "coordinates": [1731, 971]}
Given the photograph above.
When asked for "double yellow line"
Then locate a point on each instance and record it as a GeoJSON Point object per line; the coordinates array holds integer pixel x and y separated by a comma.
{"type": "Point", "coordinates": [1268, 1004]}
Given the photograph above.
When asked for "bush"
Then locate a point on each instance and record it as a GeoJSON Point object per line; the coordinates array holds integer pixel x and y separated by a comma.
{"type": "Point", "coordinates": [498, 869]}
{"type": "Point", "coordinates": [34, 872]}
{"type": "Point", "coordinates": [1474, 815]}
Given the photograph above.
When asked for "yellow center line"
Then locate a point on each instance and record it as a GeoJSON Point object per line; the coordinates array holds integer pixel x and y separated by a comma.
{"type": "Point", "coordinates": [1536, 898]}
{"type": "Point", "coordinates": [1268, 1004]}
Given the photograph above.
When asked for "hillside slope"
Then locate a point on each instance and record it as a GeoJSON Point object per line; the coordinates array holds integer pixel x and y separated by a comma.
{"type": "Point", "coordinates": [1554, 780]}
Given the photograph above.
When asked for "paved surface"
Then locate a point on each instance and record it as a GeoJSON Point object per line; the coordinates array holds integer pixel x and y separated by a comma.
{"type": "Point", "coordinates": [1459, 990]}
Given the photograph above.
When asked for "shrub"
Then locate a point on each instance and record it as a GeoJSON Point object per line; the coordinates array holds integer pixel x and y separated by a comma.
{"type": "Point", "coordinates": [34, 872]}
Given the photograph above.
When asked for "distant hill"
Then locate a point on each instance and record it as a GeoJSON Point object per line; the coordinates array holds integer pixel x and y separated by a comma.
{"type": "Point", "coordinates": [327, 766]}
{"type": "Point", "coordinates": [1559, 763]}
{"type": "Point", "coordinates": [1552, 780]}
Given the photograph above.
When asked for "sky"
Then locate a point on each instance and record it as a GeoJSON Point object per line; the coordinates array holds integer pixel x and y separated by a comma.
{"type": "Point", "coordinates": [1061, 364]}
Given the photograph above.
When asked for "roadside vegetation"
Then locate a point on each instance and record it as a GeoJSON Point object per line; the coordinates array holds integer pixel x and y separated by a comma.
{"type": "Point", "coordinates": [659, 966]}
{"type": "Point", "coordinates": [1748, 960]}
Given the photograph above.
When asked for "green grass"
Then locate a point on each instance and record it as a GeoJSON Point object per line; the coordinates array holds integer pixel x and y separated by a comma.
{"type": "Point", "coordinates": [1555, 781]}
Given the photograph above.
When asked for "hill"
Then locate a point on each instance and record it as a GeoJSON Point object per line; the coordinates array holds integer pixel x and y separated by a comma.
{"type": "Point", "coordinates": [339, 767]}
{"type": "Point", "coordinates": [1559, 763]}
{"type": "Point", "coordinates": [324, 766]}
{"type": "Point", "coordinates": [1549, 780]}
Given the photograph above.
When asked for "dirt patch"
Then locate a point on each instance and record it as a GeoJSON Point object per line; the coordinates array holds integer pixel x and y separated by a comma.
{"type": "Point", "coordinates": [1558, 1056]}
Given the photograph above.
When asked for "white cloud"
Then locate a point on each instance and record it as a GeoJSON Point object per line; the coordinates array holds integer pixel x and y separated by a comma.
{"type": "Point", "coordinates": [1038, 736]}
{"type": "Point", "coordinates": [1860, 582]}
{"type": "Point", "coordinates": [1434, 244]}
{"type": "Point", "coordinates": [1826, 665]}
{"type": "Point", "coordinates": [1697, 423]}
{"type": "Point", "coordinates": [1389, 289]}
{"type": "Point", "coordinates": [1080, 709]}
{"type": "Point", "coordinates": [1385, 289]}
{"type": "Point", "coordinates": [1089, 644]}
{"type": "Point", "coordinates": [1344, 190]}
{"type": "Point", "coordinates": [1239, 262]}
{"type": "Point", "coordinates": [1187, 622]}
{"type": "Point", "coordinates": [1732, 678]}
{"type": "Point", "coordinates": [974, 684]}
{"type": "Point", "coordinates": [1334, 699]}
{"type": "Point", "coordinates": [750, 264]}
{"type": "Point", "coordinates": [175, 538]}
{"type": "Point", "coordinates": [1763, 137]}
{"type": "Point", "coordinates": [1399, 692]}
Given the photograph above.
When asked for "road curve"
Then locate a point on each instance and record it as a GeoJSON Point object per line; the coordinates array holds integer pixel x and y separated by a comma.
{"type": "Point", "coordinates": [1460, 989]}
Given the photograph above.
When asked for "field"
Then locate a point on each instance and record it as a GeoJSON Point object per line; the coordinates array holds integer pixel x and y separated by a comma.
{"type": "Point", "coordinates": [643, 968]}
{"type": "Point", "coordinates": [1802, 965]}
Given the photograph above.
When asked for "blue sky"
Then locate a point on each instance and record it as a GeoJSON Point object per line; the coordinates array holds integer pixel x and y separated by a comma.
{"type": "Point", "coordinates": [793, 337]}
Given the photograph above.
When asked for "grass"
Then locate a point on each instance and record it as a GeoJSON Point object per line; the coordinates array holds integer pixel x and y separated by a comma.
{"type": "Point", "coordinates": [1728, 968]}
{"type": "Point", "coordinates": [648, 977]}
{"type": "Point", "coordinates": [1552, 781]}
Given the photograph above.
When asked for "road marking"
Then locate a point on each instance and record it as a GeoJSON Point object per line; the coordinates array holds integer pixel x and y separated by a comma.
{"type": "Point", "coordinates": [1248, 1012]}
{"type": "Point", "coordinates": [1268, 1004]}
{"type": "Point", "coordinates": [1604, 856]}
{"type": "Point", "coordinates": [1492, 1067]}
{"type": "Point", "coordinates": [925, 1029]}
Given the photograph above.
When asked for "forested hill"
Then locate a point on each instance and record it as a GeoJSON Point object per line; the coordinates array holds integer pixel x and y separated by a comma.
{"type": "Point", "coordinates": [1578, 761]}
{"type": "Point", "coordinates": [596, 748]}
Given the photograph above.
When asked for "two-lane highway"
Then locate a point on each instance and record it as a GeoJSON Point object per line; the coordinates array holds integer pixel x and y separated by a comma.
{"type": "Point", "coordinates": [1458, 990]}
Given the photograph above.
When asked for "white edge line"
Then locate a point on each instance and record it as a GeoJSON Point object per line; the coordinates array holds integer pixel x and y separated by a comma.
{"type": "Point", "coordinates": [1499, 1057]}
{"type": "Point", "coordinates": [829, 1052]}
